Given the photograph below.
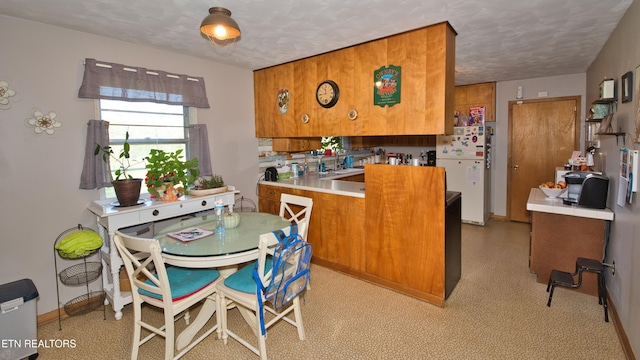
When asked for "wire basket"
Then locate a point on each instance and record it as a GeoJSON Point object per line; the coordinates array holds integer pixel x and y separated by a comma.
{"type": "Point", "coordinates": [85, 303]}
{"type": "Point", "coordinates": [244, 205]}
{"type": "Point", "coordinates": [79, 275]}
{"type": "Point", "coordinates": [87, 253]}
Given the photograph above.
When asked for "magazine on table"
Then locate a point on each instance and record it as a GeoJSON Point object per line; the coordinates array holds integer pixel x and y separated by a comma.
{"type": "Point", "coordinates": [190, 234]}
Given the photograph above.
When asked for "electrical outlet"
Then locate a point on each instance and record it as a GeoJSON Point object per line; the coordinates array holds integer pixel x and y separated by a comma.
{"type": "Point", "coordinates": [613, 269]}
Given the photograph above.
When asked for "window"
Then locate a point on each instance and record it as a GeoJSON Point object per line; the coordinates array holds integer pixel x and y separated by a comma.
{"type": "Point", "coordinates": [150, 126]}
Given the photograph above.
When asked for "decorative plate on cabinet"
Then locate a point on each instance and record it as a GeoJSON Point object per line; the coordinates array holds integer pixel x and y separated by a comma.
{"type": "Point", "coordinates": [283, 100]}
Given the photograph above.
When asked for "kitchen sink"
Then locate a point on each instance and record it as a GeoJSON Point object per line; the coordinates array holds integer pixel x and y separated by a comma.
{"type": "Point", "coordinates": [348, 171]}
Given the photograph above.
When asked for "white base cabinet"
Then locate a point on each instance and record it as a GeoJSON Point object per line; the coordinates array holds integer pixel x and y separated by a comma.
{"type": "Point", "coordinates": [111, 218]}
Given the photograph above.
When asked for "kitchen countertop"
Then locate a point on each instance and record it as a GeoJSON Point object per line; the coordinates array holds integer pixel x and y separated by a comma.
{"type": "Point", "coordinates": [538, 201]}
{"type": "Point", "coordinates": [329, 183]}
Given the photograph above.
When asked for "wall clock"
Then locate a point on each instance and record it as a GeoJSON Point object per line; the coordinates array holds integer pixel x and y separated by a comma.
{"type": "Point", "coordinates": [327, 93]}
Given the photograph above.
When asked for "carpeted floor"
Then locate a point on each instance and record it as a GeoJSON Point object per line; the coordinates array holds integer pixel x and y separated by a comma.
{"type": "Point", "coordinates": [497, 311]}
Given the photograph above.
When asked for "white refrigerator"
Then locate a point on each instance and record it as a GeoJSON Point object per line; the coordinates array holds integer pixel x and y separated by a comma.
{"type": "Point", "coordinates": [465, 155]}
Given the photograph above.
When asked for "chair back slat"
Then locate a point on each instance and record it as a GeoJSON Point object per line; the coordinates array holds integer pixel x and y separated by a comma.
{"type": "Point", "coordinates": [296, 209]}
{"type": "Point", "coordinates": [150, 269]}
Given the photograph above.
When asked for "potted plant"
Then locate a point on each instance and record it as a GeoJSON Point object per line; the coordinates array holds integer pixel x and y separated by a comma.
{"type": "Point", "coordinates": [168, 175]}
{"type": "Point", "coordinates": [333, 143]}
{"type": "Point", "coordinates": [207, 185]}
{"type": "Point", "coordinates": [126, 187]}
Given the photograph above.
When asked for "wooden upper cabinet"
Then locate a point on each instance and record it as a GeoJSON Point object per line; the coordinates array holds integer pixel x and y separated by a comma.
{"type": "Point", "coordinates": [483, 94]}
{"type": "Point", "coordinates": [426, 57]}
{"type": "Point", "coordinates": [270, 121]}
{"type": "Point", "coordinates": [295, 144]}
{"type": "Point", "coordinates": [427, 60]}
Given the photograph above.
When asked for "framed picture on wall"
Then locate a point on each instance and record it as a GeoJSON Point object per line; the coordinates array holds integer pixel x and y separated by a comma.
{"type": "Point", "coordinates": [627, 87]}
{"type": "Point", "coordinates": [605, 125]}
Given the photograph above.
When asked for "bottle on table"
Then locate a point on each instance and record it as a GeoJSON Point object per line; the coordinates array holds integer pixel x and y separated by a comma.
{"type": "Point", "coordinates": [219, 211]}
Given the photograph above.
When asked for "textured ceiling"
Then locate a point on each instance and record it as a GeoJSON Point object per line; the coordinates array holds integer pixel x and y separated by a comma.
{"type": "Point", "coordinates": [498, 40]}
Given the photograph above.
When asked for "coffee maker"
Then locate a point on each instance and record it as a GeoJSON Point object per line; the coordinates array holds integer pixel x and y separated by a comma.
{"type": "Point", "coordinates": [586, 189]}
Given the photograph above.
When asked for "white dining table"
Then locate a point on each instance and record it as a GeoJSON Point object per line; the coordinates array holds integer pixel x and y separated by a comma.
{"type": "Point", "coordinates": [224, 251]}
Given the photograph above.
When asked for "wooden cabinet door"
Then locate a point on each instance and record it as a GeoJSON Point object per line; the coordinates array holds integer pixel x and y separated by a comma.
{"type": "Point", "coordinates": [367, 58]}
{"type": "Point", "coordinates": [295, 144]}
{"type": "Point", "coordinates": [283, 123]}
{"type": "Point", "coordinates": [484, 94]}
{"type": "Point", "coordinates": [270, 121]}
{"type": "Point", "coordinates": [261, 90]}
{"type": "Point", "coordinates": [408, 50]}
{"type": "Point", "coordinates": [441, 53]}
{"type": "Point", "coordinates": [269, 199]}
{"type": "Point", "coordinates": [335, 66]}
{"type": "Point", "coordinates": [304, 91]}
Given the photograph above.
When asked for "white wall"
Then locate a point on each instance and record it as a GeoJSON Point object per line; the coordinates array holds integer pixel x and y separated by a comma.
{"type": "Point", "coordinates": [620, 54]}
{"type": "Point", "coordinates": [555, 86]}
{"type": "Point", "coordinates": [41, 174]}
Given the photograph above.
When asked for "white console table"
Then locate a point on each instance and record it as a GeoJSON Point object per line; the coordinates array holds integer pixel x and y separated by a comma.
{"type": "Point", "coordinates": [111, 218]}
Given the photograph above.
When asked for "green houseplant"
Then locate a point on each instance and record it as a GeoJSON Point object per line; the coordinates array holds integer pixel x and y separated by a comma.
{"type": "Point", "coordinates": [126, 187]}
{"type": "Point", "coordinates": [207, 185]}
{"type": "Point", "coordinates": [166, 170]}
{"type": "Point", "coordinates": [209, 182]}
{"type": "Point", "coordinates": [331, 142]}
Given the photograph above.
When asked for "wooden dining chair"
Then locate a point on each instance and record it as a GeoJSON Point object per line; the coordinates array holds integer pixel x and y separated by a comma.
{"type": "Point", "coordinates": [296, 208]}
{"type": "Point", "coordinates": [241, 290]}
{"type": "Point", "coordinates": [172, 289]}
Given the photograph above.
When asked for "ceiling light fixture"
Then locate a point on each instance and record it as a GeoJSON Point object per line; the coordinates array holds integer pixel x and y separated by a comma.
{"type": "Point", "coordinates": [220, 28]}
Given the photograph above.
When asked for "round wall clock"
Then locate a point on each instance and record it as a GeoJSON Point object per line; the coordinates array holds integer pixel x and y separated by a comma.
{"type": "Point", "coordinates": [327, 93]}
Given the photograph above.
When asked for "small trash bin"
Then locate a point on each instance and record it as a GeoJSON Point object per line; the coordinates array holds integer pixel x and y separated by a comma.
{"type": "Point", "coordinates": [18, 320]}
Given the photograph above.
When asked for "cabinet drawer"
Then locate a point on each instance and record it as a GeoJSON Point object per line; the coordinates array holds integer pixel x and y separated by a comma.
{"type": "Point", "coordinates": [184, 207]}
{"type": "Point", "coordinates": [269, 192]}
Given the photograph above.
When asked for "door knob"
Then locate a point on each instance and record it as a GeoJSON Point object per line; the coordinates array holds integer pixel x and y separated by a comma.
{"type": "Point", "coordinates": [515, 167]}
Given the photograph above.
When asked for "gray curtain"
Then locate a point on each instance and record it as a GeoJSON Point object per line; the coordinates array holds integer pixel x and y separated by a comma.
{"type": "Point", "coordinates": [96, 174]}
{"type": "Point", "coordinates": [199, 148]}
{"type": "Point", "coordinates": [104, 80]}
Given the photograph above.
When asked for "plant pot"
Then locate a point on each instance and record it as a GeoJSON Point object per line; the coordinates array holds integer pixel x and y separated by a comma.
{"type": "Point", "coordinates": [127, 191]}
{"type": "Point", "coordinates": [168, 192]}
{"type": "Point", "coordinates": [205, 192]}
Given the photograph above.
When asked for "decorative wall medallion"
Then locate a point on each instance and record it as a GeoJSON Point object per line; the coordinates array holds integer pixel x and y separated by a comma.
{"type": "Point", "coordinates": [5, 94]}
{"type": "Point", "coordinates": [353, 114]}
{"type": "Point", "coordinates": [387, 85]}
{"type": "Point", "coordinates": [283, 100]}
{"type": "Point", "coordinates": [44, 122]}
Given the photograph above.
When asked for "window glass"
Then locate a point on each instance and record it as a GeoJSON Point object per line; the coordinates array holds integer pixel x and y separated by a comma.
{"type": "Point", "coordinates": [150, 126]}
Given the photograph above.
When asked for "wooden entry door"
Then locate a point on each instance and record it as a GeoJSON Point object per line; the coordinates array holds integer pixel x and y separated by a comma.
{"type": "Point", "coordinates": [542, 136]}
